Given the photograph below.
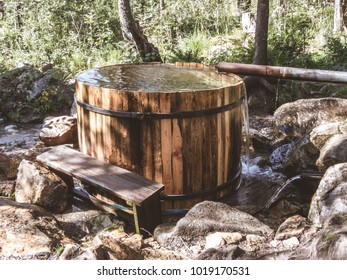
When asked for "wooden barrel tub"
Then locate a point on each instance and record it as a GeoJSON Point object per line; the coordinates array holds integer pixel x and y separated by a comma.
{"type": "Point", "coordinates": [179, 125]}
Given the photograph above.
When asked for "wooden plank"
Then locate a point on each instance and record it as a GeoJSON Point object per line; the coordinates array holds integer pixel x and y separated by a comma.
{"type": "Point", "coordinates": [220, 140]}
{"type": "Point", "coordinates": [177, 156]}
{"type": "Point", "coordinates": [112, 179]}
{"type": "Point", "coordinates": [106, 126]}
{"type": "Point", "coordinates": [99, 132]}
{"type": "Point", "coordinates": [227, 145]}
{"type": "Point", "coordinates": [166, 143]}
{"type": "Point", "coordinates": [154, 103]}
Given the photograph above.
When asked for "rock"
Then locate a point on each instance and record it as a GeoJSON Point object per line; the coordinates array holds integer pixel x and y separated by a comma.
{"type": "Point", "coordinates": [25, 138]}
{"type": "Point", "coordinates": [36, 184]}
{"type": "Point", "coordinates": [28, 95]}
{"type": "Point", "coordinates": [253, 242]}
{"type": "Point", "coordinates": [116, 231]}
{"type": "Point", "coordinates": [262, 139]}
{"type": "Point", "coordinates": [280, 156]}
{"type": "Point", "coordinates": [292, 227]}
{"type": "Point", "coordinates": [334, 151]}
{"type": "Point", "coordinates": [284, 208]}
{"type": "Point", "coordinates": [153, 251]}
{"type": "Point", "coordinates": [209, 216]}
{"type": "Point", "coordinates": [5, 170]}
{"type": "Point", "coordinates": [291, 243]}
{"type": "Point", "coordinates": [330, 198]}
{"type": "Point", "coordinates": [164, 232]}
{"type": "Point", "coordinates": [120, 245]}
{"type": "Point", "coordinates": [59, 130]}
{"type": "Point", "coordinates": [261, 95]}
{"type": "Point", "coordinates": [9, 163]}
{"type": "Point", "coordinates": [229, 252]}
{"type": "Point", "coordinates": [7, 188]}
{"type": "Point", "coordinates": [218, 239]}
{"type": "Point", "coordinates": [214, 240]}
{"type": "Point", "coordinates": [82, 223]}
{"type": "Point", "coordinates": [302, 156]}
{"type": "Point", "coordinates": [300, 117]}
{"type": "Point", "coordinates": [329, 244]}
{"type": "Point", "coordinates": [96, 253]}
{"type": "Point", "coordinates": [11, 129]}
{"type": "Point", "coordinates": [76, 252]}
{"type": "Point", "coordinates": [28, 231]}
{"type": "Point", "coordinates": [188, 236]}
{"type": "Point", "coordinates": [321, 134]}
{"type": "Point", "coordinates": [308, 153]}
{"type": "Point", "coordinates": [70, 252]}
{"type": "Point", "coordinates": [275, 243]}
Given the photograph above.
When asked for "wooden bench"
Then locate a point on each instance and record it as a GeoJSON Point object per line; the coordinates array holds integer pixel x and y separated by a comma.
{"type": "Point", "coordinates": [142, 196]}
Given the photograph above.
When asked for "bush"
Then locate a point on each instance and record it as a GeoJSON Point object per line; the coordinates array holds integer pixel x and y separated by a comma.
{"type": "Point", "coordinates": [78, 34]}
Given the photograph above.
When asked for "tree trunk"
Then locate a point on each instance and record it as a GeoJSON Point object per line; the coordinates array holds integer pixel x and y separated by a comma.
{"type": "Point", "coordinates": [262, 96]}
{"type": "Point", "coordinates": [133, 33]}
{"type": "Point", "coordinates": [338, 16]}
{"type": "Point", "coordinates": [261, 33]}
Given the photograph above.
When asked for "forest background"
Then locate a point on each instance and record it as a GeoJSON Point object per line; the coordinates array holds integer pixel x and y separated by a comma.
{"type": "Point", "coordinates": [74, 35]}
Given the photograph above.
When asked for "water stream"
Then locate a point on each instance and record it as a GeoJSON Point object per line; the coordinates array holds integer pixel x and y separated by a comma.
{"type": "Point", "coordinates": [280, 190]}
{"type": "Point", "coordinates": [245, 119]}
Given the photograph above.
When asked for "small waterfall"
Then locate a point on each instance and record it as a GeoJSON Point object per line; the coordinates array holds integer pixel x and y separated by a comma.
{"type": "Point", "coordinates": [245, 122]}
{"type": "Point", "coordinates": [276, 195]}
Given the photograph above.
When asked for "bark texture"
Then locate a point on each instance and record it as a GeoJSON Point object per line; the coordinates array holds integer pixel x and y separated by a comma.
{"type": "Point", "coordinates": [261, 33]}
{"type": "Point", "coordinates": [133, 33]}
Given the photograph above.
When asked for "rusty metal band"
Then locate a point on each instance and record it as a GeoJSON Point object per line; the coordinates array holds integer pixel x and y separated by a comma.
{"type": "Point", "coordinates": [201, 194]}
{"type": "Point", "coordinates": [153, 115]}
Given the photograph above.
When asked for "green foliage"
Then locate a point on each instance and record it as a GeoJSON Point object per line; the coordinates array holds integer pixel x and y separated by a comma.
{"type": "Point", "coordinates": [330, 237]}
{"type": "Point", "coordinates": [336, 52]}
{"type": "Point", "coordinates": [79, 34]}
{"type": "Point", "coordinates": [194, 49]}
{"type": "Point", "coordinates": [289, 41]}
{"type": "Point", "coordinates": [59, 250]}
{"type": "Point", "coordinates": [40, 32]}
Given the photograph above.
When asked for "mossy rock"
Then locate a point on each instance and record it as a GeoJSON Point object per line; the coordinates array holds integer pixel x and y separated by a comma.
{"type": "Point", "coordinates": [27, 95]}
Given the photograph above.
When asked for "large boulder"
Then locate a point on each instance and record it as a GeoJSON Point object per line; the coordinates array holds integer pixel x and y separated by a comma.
{"type": "Point", "coordinates": [323, 147]}
{"type": "Point", "coordinates": [331, 196]}
{"type": "Point", "coordinates": [208, 217]}
{"type": "Point", "coordinates": [82, 223]}
{"type": "Point", "coordinates": [28, 231]}
{"type": "Point", "coordinates": [322, 133]}
{"type": "Point", "coordinates": [189, 236]}
{"type": "Point", "coordinates": [334, 151]}
{"type": "Point", "coordinates": [302, 156]}
{"type": "Point", "coordinates": [9, 162]}
{"type": "Point", "coordinates": [59, 130]}
{"type": "Point", "coordinates": [38, 185]}
{"type": "Point", "coordinates": [27, 95]}
{"type": "Point", "coordinates": [300, 117]}
{"type": "Point", "coordinates": [328, 243]}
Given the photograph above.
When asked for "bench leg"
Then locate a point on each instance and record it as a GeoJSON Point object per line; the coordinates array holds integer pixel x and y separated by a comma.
{"type": "Point", "coordinates": [148, 215]}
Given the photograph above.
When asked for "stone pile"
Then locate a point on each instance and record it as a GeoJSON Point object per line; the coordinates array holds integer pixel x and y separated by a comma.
{"type": "Point", "coordinates": [39, 221]}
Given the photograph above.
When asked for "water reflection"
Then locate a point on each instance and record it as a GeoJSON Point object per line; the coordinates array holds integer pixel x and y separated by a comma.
{"type": "Point", "coordinates": [154, 78]}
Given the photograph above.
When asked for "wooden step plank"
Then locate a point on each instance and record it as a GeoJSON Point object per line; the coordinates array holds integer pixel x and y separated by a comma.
{"type": "Point", "coordinates": [112, 179]}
